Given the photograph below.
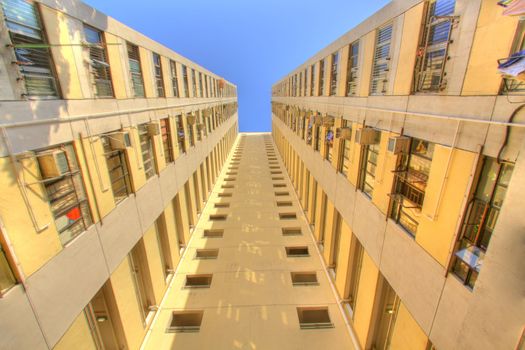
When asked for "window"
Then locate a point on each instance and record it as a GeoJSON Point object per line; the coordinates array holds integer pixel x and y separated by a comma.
{"type": "Point", "coordinates": [137, 81]}
{"type": "Point", "coordinates": [33, 56]}
{"type": "Point", "coordinates": [352, 69]}
{"type": "Point", "coordinates": [174, 79]}
{"type": "Point", "coordinates": [206, 253]}
{"type": "Point", "coordinates": [381, 62]}
{"type": "Point", "coordinates": [314, 317]}
{"type": "Point", "coordinates": [185, 81]}
{"type": "Point", "coordinates": [321, 78]}
{"type": "Point", "coordinates": [356, 258]}
{"type": "Point", "coordinates": [194, 82]}
{"type": "Point", "coordinates": [291, 231]}
{"type": "Point", "coordinates": [215, 233]}
{"type": "Point", "coordinates": [304, 278]}
{"type": "Point", "coordinates": [481, 218]}
{"type": "Point", "coordinates": [159, 79]}
{"type": "Point", "coordinates": [333, 74]}
{"type": "Point", "coordinates": [385, 321]}
{"type": "Point", "coordinates": [334, 252]}
{"type": "Point", "coordinates": [305, 75]}
{"type": "Point", "coordinates": [344, 153]}
{"type": "Point", "coordinates": [510, 85]}
{"type": "Point", "coordinates": [118, 169]}
{"type": "Point", "coordinates": [180, 133]}
{"type": "Point", "coordinates": [185, 321]}
{"type": "Point", "coordinates": [201, 93]}
{"type": "Point", "coordinates": [225, 194]}
{"type": "Point", "coordinates": [279, 185]}
{"type": "Point", "coordinates": [369, 157]}
{"type": "Point", "coordinates": [411, 177]}
{"type": "Point", "coordinates": [165, 133]}
{"type": "Point", "coordinates": [300, 83]}
{"type": "Point", "coordinates": [433, 50]}
{"type": "Point", "coordinates": [198, 281]}
{"type": "Point", "coordinates": [146, 149]}
{"type": "Point", "coordinates": [7, 277]}
{"type": "Point", "coordinates": [329, 144]}
{"type": "Point", "coordinates": [98, 62]}
{"type": "Point", "coordinates": [297, 251]}
{"type": "Point", "coordinates": [317, 137]}
{"type": "Point", "coordinates": [65, 191]}
{"type": "Point", "coordinates": [312, 79]}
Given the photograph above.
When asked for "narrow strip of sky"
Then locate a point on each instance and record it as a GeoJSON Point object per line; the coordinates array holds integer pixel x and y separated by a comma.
{"type": "Point", "coordinates": [251, 43]}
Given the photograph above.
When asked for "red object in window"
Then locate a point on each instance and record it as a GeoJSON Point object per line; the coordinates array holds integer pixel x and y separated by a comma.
{"type": "Point", "coordinates": [73, 214]}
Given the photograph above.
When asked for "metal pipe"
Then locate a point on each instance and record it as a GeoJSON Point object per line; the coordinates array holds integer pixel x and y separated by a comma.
{"type": "Point", "coordinates": [21, 183]}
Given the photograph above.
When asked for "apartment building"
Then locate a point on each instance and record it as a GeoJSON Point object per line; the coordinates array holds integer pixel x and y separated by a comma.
{"type": "Point", "coordinates": [110, 146]}
{"type": "Point", "coordinates": [404, 140]}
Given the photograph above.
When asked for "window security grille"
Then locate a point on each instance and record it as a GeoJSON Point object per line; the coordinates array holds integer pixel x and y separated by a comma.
{"type": "Point", "coordinates": [185, 81]}
{"type": "Point", "coordinates": [159, 79]}
{"type": "Point", "coordinates": [333, 75]}
{"type": "Point", "coordinates": [174, 79]}
{"type": "Point", "coordinates": [99, 66]}
{"type": "Point", "coordinates": [118, 169]}
{"type": "Point", "coordinates": [321, 78]}
{"type": "Point", "coordinates": [165, 132]}
{"type": "Point", "coordinates": [146, 148]}
{"type": "Point", "coordinates": [381, 60]}
{"type": "Point", "coordinates": [352, 70]}
{"type": "Point", "coordinates": [33, 56]}
{"type": "Point", "coordinates": [135, 70]}
{"type": "Point", "coordinates": [433, 52]}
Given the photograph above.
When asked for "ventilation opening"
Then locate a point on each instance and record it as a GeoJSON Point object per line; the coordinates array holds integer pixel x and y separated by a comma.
{"type": "Point", "coordinates": [231, 173]}
{"type": "Point", "coordinates": [185, 321]}
{"type": "Point", "coordinates": [304, 278]}
{"type": "Point", "coordinates": [227, 186]}
{"type": "Point", "coordinates": [206, 253]}
{"type": "Point", "coordinates": [230, 179]}
{"type": "Point", "coordinates": [274, 167]}
{"type": "Point", "coordinates": [276, 172]}
{"type": "Point", "coordinates": [226, 194]}
{"type": "Point", "coordinates": [213, 233]}
{"type": "Point", "coordinates": [280, 194]}
{"type": "Point", "coordinates": [297, 251]}
{"type": "Point", "coordinates": [284, 204]}
{"type": "Point", "coordinates": [272, 158]}
{"type": "Point", "coordinates": [291, 231]}
{"type": "Point", "coordinates": [273, 163]}
{"type": "Point", "coordinates": [222, 205]}
{"type": "Point", "coordinates": [219, 217]}
{"type": "Point", "coordinates": [277, 178]}
{"type": "Point", "coordinates": [279, 185]}
{"type": "Point", "coordinates": [314, 317]}
{"type": "Point", "coordinates": [198, 281]}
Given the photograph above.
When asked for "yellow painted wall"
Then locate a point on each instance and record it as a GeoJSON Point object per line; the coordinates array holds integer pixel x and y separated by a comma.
{"type": "Point", "coordinates": [33, 249]}
{"type": "Point", "coordinates": [58, 33]}
{"type": "Point", "coordinates": [407, 335]}
{"type": "Point", "coordinates": [146, 65]}
{"type": "Point", "coordinates": [407, 51]}
{"type": "Point", "coordinates": [116, 66]}
{"type": "Point", "coordinates": [318, 212]}
{"type": "Point", "coordinates": [365, 298]}
{"type": "Point", "coordinates": [171, 229]}
{"type": "Point", "coordinates": [184, 217]}
{"type": "Point", "coordinates": [192, 199]}
{"type": "Point", "coordinates": [102, 191]}
{"type": "Point", "coordinates": [343, 67]}
{"type": "Point", "coordinates": [386, 163]}
{"type": "Point", "coordinates": [158, 151]}
{"type": "Point", "coordinates": [355, 154]}
{"type": "Point", "coordinates": [77, 337]}
{"type": "Point", "coordinates": [436, 236]}
{"type": "Point", "coordinates": [345, 241]}
{"type": "Point", "coordinates": [155, 267]}
{"type": "Point", "coordinates": [166, 75]}
{"type": "Point", "coordinates": [123, 289]}
{"type": "Point", "coordinates": [136, 169]}
{"type": "Point", "coordinates": [492, 41]}
{"type": "Point", "coordinates": [328, 231]}
{"type": "Point", "coordinates": [367, 51]}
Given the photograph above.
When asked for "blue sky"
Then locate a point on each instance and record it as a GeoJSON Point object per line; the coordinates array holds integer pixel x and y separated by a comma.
{"type": "Point", "coordinates": [252, 43]}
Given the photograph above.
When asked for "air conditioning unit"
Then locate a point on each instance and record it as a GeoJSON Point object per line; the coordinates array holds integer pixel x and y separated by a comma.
{"type": "Point", "coordinates": [192, 119]}
{"type": "Point", "coordinates": [344, 133]}
{"type": "Point", "coordinates": [153, 129]}
{"type": "Point", "coordinates": [367, 136]}
{"type": "Point", "coordinates": [53, 164]}
{"type": "Point", "coordinates": [119, 140]}
{"type": "Point", "coordinates": [399, 144]}
{"type": "Point", "coordinates": [328, 121]}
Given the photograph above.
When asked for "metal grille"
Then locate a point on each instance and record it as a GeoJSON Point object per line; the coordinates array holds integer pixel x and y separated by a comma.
{"type": "Point", "coordinates": [135, 70]}
{"type": "Point", "coordinates": [368, 171]}
{"type": "Point", "coordinates": [432, 54]}
{"type": "Point", "coordinates": [165, 132]}
{"type": "Point", "coordinates": [352, 69]}
{"type": "Point", "coordinates": [344, 161]}
{"type": "Point", "coordinates": [333, 74]}
{"type": "Point", "coordinates": [118, 170]}
{"type": "Point", "coordinates": [312, 79]}
{"type": "Point", "coordinates": [201, 93]}
{"type": "Point", "coordinates": [180, 133]}
{"type": "Point", "coordinates": [321, 78]}
{"type": "Point", "coordinates": [98, 63]}
{"type": "Point", "coordinates": [185, 81]}
{"type": "Point", "coordinates": [174, 79]}
{"type": "Point", "coordinates": [146, 149]}
{"type": "Point", "coordinates": [194, 82]}
{"type": "Point", "coordinates": [31, 50]}
{"type": "Point", "coordinates": [159, 79]}
{"type": "Point", "coordinates": [381, 60]}
{"type": "Point", "coordinates": [67, 198]}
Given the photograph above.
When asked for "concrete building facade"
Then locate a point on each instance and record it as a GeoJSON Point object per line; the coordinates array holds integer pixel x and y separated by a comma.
{"type": "Point", "coordinates": [405, 145]}
{"type": "Point", "coordinates": [110, 145]}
